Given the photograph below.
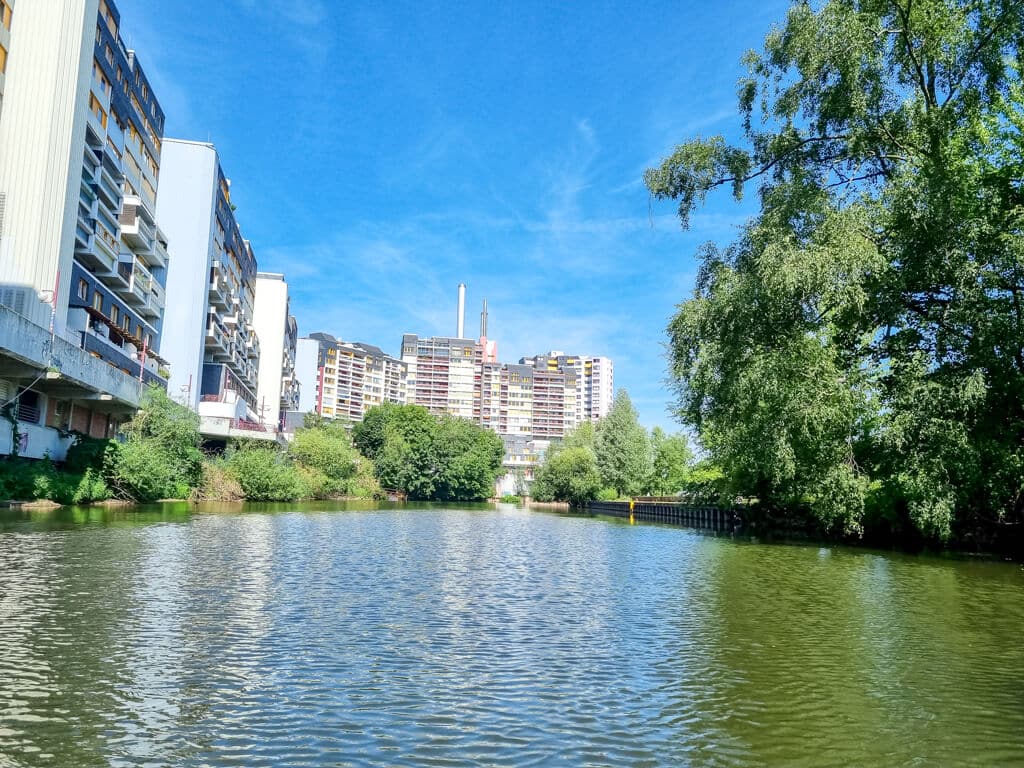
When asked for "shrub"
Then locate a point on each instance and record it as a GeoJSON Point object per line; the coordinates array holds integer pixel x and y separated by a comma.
{"type": "Point", "coordinates": [569, 475]}
{"type": "Point", "coordinates": [87, 453]}
{"type": "Point", "coordinates": [160, 457]}
{"type": "Point", "coordinates": [265, 475]}
{"type": "Point", "coordinates": [218, 483]}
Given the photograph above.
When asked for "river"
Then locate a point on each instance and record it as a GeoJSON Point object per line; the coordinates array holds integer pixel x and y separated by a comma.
{"type": "Point", "coordinates": [316, 634]}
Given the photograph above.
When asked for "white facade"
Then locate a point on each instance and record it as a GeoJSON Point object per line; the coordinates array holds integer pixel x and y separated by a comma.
{"type": "Point", "coordinates": [212, 346]}
{"type": "Point", "coordinates": [307, 372]}
{"type": "Point", "coordinates": [274, 325]}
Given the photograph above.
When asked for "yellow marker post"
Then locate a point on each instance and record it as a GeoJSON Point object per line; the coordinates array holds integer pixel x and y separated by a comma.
{"type": "Point", "coordinates": [632, 504]}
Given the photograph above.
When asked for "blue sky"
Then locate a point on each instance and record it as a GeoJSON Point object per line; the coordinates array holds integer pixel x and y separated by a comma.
{"type": "Point", "coordinates": [382, 153]}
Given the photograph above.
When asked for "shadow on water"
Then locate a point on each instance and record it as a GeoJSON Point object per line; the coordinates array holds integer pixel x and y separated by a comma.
{"type": "Point", "coordinates": [26, 519]}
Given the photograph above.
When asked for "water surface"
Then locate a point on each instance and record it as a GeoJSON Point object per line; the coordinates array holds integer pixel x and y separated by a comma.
{"type": "Point", "coordinates": [491, 636]}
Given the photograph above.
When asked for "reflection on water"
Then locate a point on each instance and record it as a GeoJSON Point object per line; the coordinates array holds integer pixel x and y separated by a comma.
{"type": "Point", "coordinates": [302, 635]}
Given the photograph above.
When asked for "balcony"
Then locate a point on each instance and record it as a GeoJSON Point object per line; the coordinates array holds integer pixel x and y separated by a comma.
{"type": "Point", "coordinates": [218, 289]}
{"type": "Point", "coordinates": [215, 341]}
{"type": "Point", "coordinates": [108, 190]}
{"type": "Point", "coordinates": [141, 286]}
{"type": "Point", "coordinates": [135, 230]}
{"type": "Point", "coordinates": [105, 247]}
{"type": "Point", "coordinates": [157, 257]}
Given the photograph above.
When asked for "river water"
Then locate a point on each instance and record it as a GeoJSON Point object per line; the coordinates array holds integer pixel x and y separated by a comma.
{"type": "Point", "coordinates": [492, 636]}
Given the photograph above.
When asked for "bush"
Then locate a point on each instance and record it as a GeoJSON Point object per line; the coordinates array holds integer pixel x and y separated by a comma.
{"type": "Point", "coordinates": [28, 479]}
{"type": "Point", "coordinates": [160, 457]}
{"type": "Point", "coordinates": [569, 475]}
{"type": "Point", "coordinates": [265, 475]}
{"type": "Point", "coordinates": [218, 483]}
{"type": "Point", "coordinates": [510, 498]}
{"type": "Point", "coordinates": [143, 471]}
{"type": "Point", "coordinates": [87, 453]}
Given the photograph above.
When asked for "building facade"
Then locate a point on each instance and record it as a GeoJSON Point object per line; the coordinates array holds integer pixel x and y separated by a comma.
{"type": "Point", "coordinates": [594, 375]}
{"type": "Point", "coordinates": [81, 253]}
{"type": "Point", "coordinates": [277, 388]}
{"type": "Point", "coordinates": [354, 377]}
{"type": "Point", "coordinates": [444, 374]}
{"type": "Point", "coordinates": [214, 352]}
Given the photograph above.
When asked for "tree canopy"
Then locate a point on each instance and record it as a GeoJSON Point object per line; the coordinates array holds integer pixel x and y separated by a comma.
{"type": "Point", "coordinates": [446, 458]}
{"type": "Point", "coordinates": [859, 349]}
{"type": "Point", "coordinates": [621, 448]}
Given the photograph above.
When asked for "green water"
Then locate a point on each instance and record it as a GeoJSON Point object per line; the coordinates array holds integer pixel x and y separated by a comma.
{"type": "Point", "coordinates": [492, 636]}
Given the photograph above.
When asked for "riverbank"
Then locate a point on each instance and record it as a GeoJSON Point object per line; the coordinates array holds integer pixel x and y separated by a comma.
{"type": "Point", "coordinates": [751, 520]}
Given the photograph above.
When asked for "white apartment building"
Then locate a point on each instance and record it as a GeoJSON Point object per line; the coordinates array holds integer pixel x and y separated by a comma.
{"type": "Point", "coordinates": [595, 376]}
{"type": "Point", "coordinates": [214, 351]}
{"type": "Point", "coordinates": [277, 388]}
{"type": "Point", "coordinates": [354, 377]}
{"type": "Point", "coordinates": [443, 373]}
{"type": "Point", "coordinates": [82, 258]}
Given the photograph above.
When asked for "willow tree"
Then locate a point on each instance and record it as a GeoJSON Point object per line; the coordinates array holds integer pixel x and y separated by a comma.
{"type": "Point", "coordinates": [858, 349]}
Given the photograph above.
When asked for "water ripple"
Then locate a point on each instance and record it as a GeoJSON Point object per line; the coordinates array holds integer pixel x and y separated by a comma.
{"type": "Point", "coordinates": [492, 637]}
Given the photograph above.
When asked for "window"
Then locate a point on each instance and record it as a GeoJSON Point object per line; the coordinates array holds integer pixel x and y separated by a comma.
{"type": "Point", "coordinates": [108, 55]}
{"type": "Point", "coordinates": [126, 323]}
{"type": "Point", "coordinates": [5, 13]}
{"type": "Point", "coordinates": [115, 313]}
{"type": "Point", "coordinates": [97, 301]}
{"type": "Point", "coordinates": [29, 407]}
{"type": "Point", "coordinates": [3, 59]}
{"type": "Point", "coordinates": [83, 290]}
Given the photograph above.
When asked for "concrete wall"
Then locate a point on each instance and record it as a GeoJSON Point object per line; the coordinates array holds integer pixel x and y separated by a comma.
{"type": "Point", "coordinates": [27, 342]}
{"type": "Point", "coordinates": [185, 209]}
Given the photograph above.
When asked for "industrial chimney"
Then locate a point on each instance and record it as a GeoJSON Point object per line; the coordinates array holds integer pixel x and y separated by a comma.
{"type": "Point", "coordinates": [462, 311]}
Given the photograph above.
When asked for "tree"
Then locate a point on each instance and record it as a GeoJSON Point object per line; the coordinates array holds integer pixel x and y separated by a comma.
{"type": "Point", "coordinates": [447, 459]}
{"type": "Point", "coordinates": [160, 456]}
{"type": "Point", "coordinates": [858, 349]}
{"type": "Point", "coordinates": [326, 457]}
{"type": "Point", "coordinates": [621, 448]}
{"type": "Point", "coordinates": [569, 474]}
{"type": "Point", "coordinates": [469, 458]}
{"type": "Point", "coordinates": [670, 463]}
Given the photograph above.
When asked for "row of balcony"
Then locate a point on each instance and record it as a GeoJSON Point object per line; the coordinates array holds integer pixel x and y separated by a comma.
{"type": "Point", "coordinates": [223, 346]}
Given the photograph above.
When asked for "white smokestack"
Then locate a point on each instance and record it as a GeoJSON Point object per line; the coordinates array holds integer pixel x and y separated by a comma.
{"type": "Point", "coordinates": [462, 310]}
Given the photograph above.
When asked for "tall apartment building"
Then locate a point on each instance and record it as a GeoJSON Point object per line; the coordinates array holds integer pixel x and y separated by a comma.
{"type": "Point", "coordinates": [354, 377]}
{"type": "Point", "coordinates": [277, 388]}
{"type": "Point", "coordinates": [214, 351]}
{"type": "Point", "coordinates": [82, 259]}
{"type": "Point", "coordinates": [443, 373]}
{"type": "Point", "coordinates": [595, 376]}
